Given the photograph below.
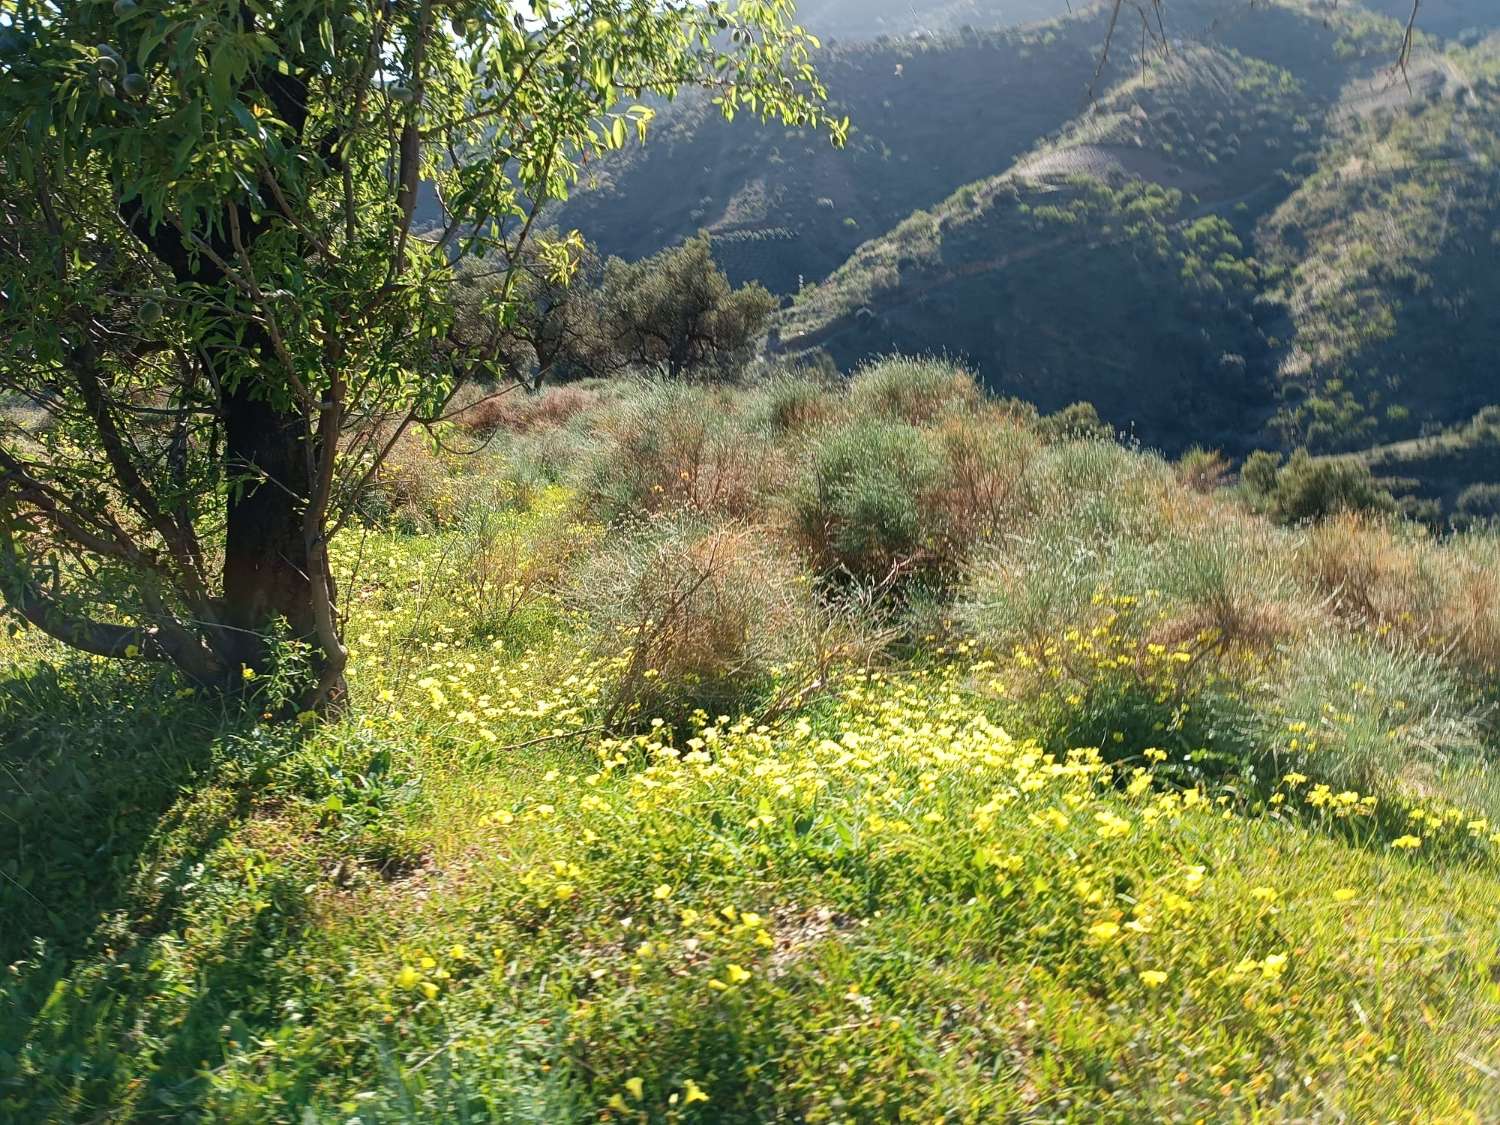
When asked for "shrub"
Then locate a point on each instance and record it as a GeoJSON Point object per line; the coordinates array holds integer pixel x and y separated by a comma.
{"type": "Point", "coordinates": [506, 572]}
{"type": "Point", "coordinates": [1077, 422]}
{"type": "Point", "coordinates": [859, 504]}
{"type": "Point", "coordinates": [916, 391]}
{"type": "Point", "coordinates": [1307, 489]}
{"type": "Point", "coordinates": [1479, 503]}
{"type": "Point", "coordinates": [790, 404]}
{"type": "Point", "coordinates": [703, 614]}
{"type": "Point", "coordinates": [985, 482]}
{"type": "Point", "coordinates": [1203, 470]}
{"type": "Point", "coordinates": [413, 490]}
{"type": "Point", "coordinates": [520, 411]}
{"type": "Point", "coordinates": [1259, 472]}
{"type": "Point", "coordinates": [674, 445]}
{"type": "Point", "coordinates": [1392, 580]}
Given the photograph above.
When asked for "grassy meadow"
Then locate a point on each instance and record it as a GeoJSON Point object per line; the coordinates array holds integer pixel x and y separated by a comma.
{"type": "Point", "coordinates": [794, 752]}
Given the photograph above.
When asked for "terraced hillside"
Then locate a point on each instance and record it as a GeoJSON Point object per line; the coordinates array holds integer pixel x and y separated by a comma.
{"type": "Point", "coordinates": [1386, 257]}
{"type": "Point", "coordinates": [869, 19]}
{"type": "Point", "coordinates": [1257, 233]}
{"type": "Point", "coordinates": [1136, 218]}
{"type": "Point", "coordinates": [785, 207]}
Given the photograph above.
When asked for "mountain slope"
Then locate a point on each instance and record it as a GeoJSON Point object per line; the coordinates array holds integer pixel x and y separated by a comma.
{"type": "Point", "coordinates": [868, 19]}
{"type": "Point", "coordinates": [784, 206]}
{"type": "Point", "coordinates": [1388, 263]}
{"type": "Point", "coordinates": [1101, 266]}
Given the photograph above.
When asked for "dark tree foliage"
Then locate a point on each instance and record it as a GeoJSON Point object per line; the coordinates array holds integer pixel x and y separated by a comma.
{"type": "Point", "coordinates": [677, 314]}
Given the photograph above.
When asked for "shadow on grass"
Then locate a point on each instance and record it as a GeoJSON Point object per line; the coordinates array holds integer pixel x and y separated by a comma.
{"type": "Point", "coordinates": [127, 959]}
{"type": "Point", "coordinates": [95, 762]}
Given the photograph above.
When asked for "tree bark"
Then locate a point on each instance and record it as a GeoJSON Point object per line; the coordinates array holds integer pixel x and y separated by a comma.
{"type": "Point", "coordinates": [266, 568]}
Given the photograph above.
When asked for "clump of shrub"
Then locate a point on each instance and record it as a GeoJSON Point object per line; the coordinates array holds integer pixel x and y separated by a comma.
{"type": "Point", "coordinates": [914, 391]}
{"type": "Point", "coordinates": [1307, 489]}
{"type": "Point", "coordinates": [413, 490]}
{"type": "Point", "coordinates": [506, 572]}
{"type": "Point", "coordinates": [517, 410]}
{"type": "Point", "coordinates": [1395, 580]}
{"type": "Point", "coordinates": [985, 484]}
{"type": "Point", "coordinates": [701, 615]}
{"type": "Point", "coordinates": [858, 507]}
{"type": "Point", "coordinates": [791, 404]}
{"type": "Point", "coordinates": [1078, 421]}
{"type": "Point", "coordinates": [1479, 504]}
{"type": "Point", "coordinates": [677, 446]}
{"type": "Point", "coordinates": [919, 473]}
{"type": "Point", "coordinates": [1203, 470]}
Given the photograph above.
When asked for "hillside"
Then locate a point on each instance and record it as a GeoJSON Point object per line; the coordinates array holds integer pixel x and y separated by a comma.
{"type": "Point", "coordinates": [1387, 265]}
{"type": "Point", "coordinates": [865, 753]}
{"type": "Point", "coordinates": [981, 213]}
{"type": "Point", "coordinates": [929, 115]}
{"type": "Point", "coordinates": [870, 19]}
{"type": "Point", "coordinates": [1457, 469]}
{"type": "Point", "coordinates": [786, 208]}
{"type": "Point", "coordinates": [1446, 18]}
{"type": "Point", "coordinates": [1130, 218]}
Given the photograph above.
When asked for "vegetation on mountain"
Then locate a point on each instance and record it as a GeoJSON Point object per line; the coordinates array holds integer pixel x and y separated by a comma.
{"type": "Point", "coordinates": [926, 117]}
{"type": "Point", "coordinates": [1117, 800]}
{"type": "Point", "coordinates": [457, 673]}
{"type": "Point", "coordinates": [871, 19]}
{"type": "Point", "coordinates": [1169, 285]}
{"type": "Point", "coordinates": [1271, 119]}
{"type": "Point", "coordinates": [676, 313]}
{"type": "Point", "coordinates": [1385, 260]}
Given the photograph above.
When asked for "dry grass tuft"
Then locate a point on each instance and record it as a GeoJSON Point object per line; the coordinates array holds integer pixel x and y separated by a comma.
{"type": "Point", "coordinates": [1394, 580]}
{"type": "Point", "coordinates": [519, 412]}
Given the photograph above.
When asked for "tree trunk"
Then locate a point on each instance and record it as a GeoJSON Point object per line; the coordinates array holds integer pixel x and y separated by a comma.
{"type": "Point", "coordinates": [265, 553]}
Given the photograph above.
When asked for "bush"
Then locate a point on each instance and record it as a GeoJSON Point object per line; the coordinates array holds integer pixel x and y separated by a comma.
{"type": "Point", "coordinates": [1390, 579]}
{"type": "Point", "coordinates": [702, 613]}
{"type": "Point", "coordinates": [673, 446]}
{"type": "Point", "coordinates": [1307, 489]}
{"type": "Point", "coordinates": [1203, 470]}
{"type": "Point", "coordinates": [985, 484]}
{"type": "Point", "coordinates": [413, 490]}
{"type": "Point", "coordinates": [916, 391]}
{"type": "Point", "coordinates": [791, 404]}
{"type": "Point", "coordinates": [859, 505]}
{"type": "Point", "coordinates": [519, 411]}
{"type": "Point", "coordinates": [1259, 472]}
{"type": "Point", "coordinates": [506, 572]}
{"type": "Point", "coordinates": [1480, 503]}
{"type": "Point", "coordinates": [1077, 422]}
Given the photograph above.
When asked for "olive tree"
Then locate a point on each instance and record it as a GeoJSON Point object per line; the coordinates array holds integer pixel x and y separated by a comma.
{"type": "Point", "coordinates": [676, 313]}
{"type": "Point", "coordinates": [231, 228]}
{"type": "Point", "coordinates": [552, 320]}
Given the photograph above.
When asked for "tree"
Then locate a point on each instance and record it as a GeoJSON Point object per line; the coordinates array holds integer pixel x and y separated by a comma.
{"type": "Point", "coordinates": [1307, 489]}
{"type": "Point", "coordinates": [676, 312]}
{"type": "Point", "coordinates": [217, 314]}
{"type": "Point", "coordinates": [553, 320]}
